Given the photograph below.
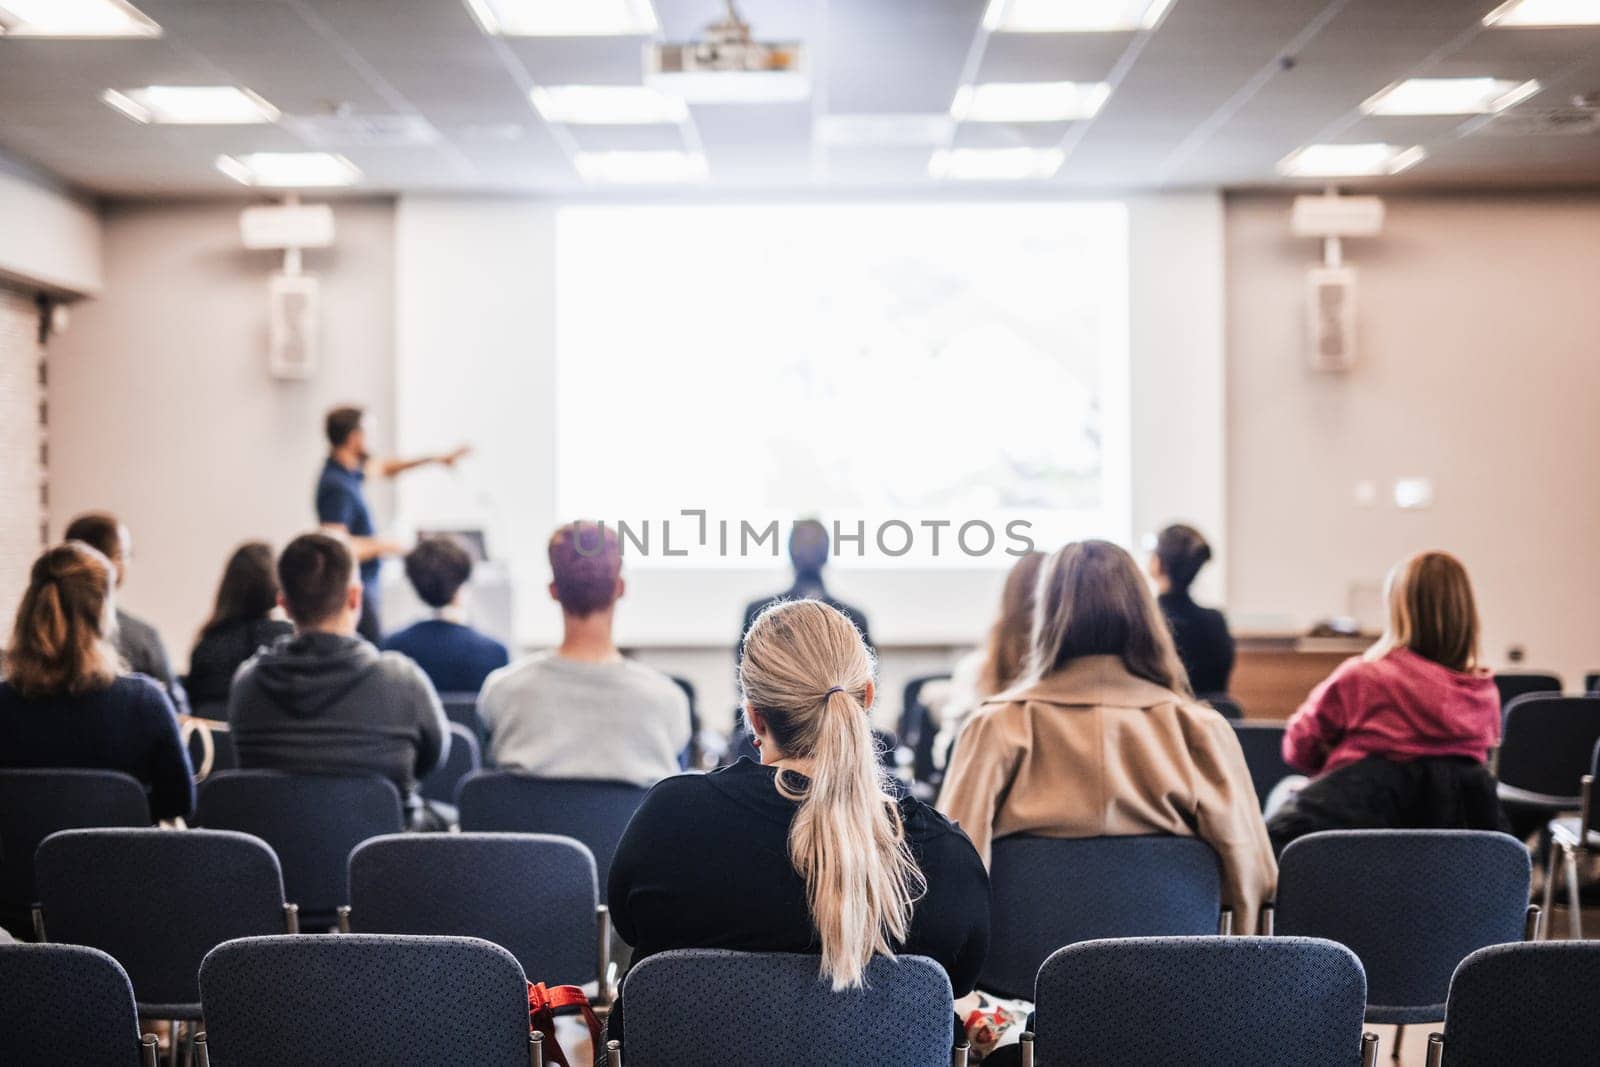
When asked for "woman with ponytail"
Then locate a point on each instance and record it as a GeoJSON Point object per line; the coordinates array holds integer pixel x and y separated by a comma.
{"type": "Point", "coordinates": [65, 700]}
{"type": "Point", "coordinates": [811, 850]}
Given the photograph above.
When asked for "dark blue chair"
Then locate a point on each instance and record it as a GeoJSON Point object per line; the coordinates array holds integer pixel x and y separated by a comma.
{"type": "Point", "coordinates": [916, 730]}
{"type": "Point", "coordinates": [465, 756]}
{"type": "Point", "coordinates": [66, 1004]}
{"type": "Point", "coordinates": [532, 894]}
{"type": "Point", "coordinates": [706, 1006]}
{"type": "Point", "coordinates": [1544, 752]}
{"type": "Point", "coordinates": [1513, 684]}
{"type": "Point", "coordinates": [35, 804]}
{"type": "Point", "coordinates": [593, 812]}
{"type": "Point", "coordinates": [1591, 682]}
{"type": "Point", "coordinates": [1201, 1002]}
{"type": "Point", "coordinates": [311, 821]}
{"type": "Point", "coordinates": [1411, 903]}
{"type": "Point", "coordinates": [1528, 1003]}
{"type": "Point", "coordinates": [1262, 745]}
{"type": "Point", "coordinates": [1049, 892]}
{"type": "Point", "coordinates": [158, 901]}
{"type": "Point", "coordinates": [364, 999]}
{"type": "Point", "coordinates": [1572, 840]}
{"type": "Point", "coordinates": [462, 708]}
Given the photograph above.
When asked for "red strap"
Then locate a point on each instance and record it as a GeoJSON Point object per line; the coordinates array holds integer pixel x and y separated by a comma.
{"type": "Point", "coordinates": [543, 1001]}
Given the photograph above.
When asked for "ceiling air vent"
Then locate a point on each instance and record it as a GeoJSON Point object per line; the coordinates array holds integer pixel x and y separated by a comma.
{"type": "Point", "coordinates": [363, 131]}
{"type": "Point", "coordinates": [1556, 121]}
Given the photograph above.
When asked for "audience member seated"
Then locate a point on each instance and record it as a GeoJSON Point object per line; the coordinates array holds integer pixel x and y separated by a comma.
{"type": "Point", "coordinates": [242, 622]}
{"type": "Point", "coordinates": [63, 702]}
{"type": "Point", "coordinates": [1105, 739]}
{"type": "Point", "coordinates": [809, 850]}
{"type": "Point", "coordinates": [808, 552]}
{"type": "Point", "coordinates": [582, 710]}
{"type": "Point", "coordinates": [324, 700]}
{"type": "Point", "coordinates": [136, 640]}
{"type": "Point", "coordinates": [454, 656]}
{"type": "Point", "coordinates": [1400, 736]}
{"type": "Point", "coordinates": [999, 664]}
{"type": "Point", "coordinates": [1204, 644]}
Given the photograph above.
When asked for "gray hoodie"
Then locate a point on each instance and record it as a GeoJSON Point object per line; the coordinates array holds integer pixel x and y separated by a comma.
{"type": "Point", "coordinates": [323, 703]}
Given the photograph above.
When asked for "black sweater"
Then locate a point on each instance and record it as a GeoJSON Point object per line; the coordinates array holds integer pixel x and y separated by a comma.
{"type": "Point", "coordinates": [128, 727]}
{"type": "Point", "coordinates": [217, 657]}
{"type": "Point", "coordinates": [705, 864]}
{"type": "Point", "coordinates": [1204, 644]}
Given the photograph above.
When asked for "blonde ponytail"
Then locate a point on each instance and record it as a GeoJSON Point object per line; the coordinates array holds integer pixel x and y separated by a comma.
{"type": "Point", "coordinates": [807, 670]}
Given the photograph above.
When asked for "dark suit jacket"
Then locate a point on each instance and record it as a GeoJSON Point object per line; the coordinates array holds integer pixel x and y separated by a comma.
{"type": "Point", "coordinates": [802, 590]}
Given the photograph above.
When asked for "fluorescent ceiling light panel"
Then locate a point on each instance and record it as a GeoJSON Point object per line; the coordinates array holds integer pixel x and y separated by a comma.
{"type": "Point", "coordinates": [734, 87]}
{"type": "Point", "coordinates": [995, 164]}
{"type": "Point", "coordinates": [1349, 160]}
{"type": "Point", "coordinates": [1544, 13]}
{"type": "Point", "coordinates": [565, 18]}
{"type": "Point", "coordinates": [643, 168]}
{"type": "Point", "coordinates": [191, 105]}
{"type": "Point", "coordinates": [608, 105]}
{"type": "Point", "coordinates": [884, 131]}
{"type": "Point", "coordinates": [1028, 101]}
{"type": "Point", "coordinates": [1449, 96]}
{"type": "Point", "coordinates": [289, 170]}
{"type": "Point", "coordinates": [1073, 16]}
{"type": "Point", "coordinates": [74, 18]}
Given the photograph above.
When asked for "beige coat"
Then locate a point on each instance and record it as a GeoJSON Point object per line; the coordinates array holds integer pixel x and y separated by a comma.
{"type": "Point", "coordinates": [1092, 751]}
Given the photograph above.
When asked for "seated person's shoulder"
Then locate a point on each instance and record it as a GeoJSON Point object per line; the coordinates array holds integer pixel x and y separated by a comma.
{"type": "Point", "coordinates": [399, 669]}
{"type": "Point", "coordinates": [657, 683]}
{"type": "Point", "coordinates": [936, 838]}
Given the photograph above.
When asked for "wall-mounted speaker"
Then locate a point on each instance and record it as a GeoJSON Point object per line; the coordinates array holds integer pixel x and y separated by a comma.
{"type": "Point", "coordinates": [293, 325]}
{"type": "Point", "coordinates": [1331, 318]}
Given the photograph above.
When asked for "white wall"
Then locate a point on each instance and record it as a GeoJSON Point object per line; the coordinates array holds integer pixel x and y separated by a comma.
{"type": "Point", "coordinates": [1479, 369]}
{"type": "Point", "coordinates": [162, 409]}
{"type": "Point", "coordinates": [49, 238]}
{"type": "Point", "coordinates": [21, 471]}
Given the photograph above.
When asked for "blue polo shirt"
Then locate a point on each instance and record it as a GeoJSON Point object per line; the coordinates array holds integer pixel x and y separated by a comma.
{"type": "Point", "coordinates": [341, 500]}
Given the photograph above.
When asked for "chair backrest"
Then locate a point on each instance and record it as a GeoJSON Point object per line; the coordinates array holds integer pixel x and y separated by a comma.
{"type": "Point", "coordinates": [1513, 684]}
{"type": "Point", "coordinates": [311, 821]}
{"type": "Point", "coordinates": [1533, 1002]}
{"type": "Point", "coordinates": [465, 757]}
{"type": "Point", "coordinates": [532, 894]}
{"type": "Point", "coordinates": [1591, 682]}
{"type": "Point", "coordinates": [35, 804]}
{"type": "Point", "coordinates": [158, 901]}
{"type": "Point", "coordinates": [364, 998]}
{"type": "Point", "coordinates": [593, 812]}
{"type": "Point", "coordinates": [1411, 903]}
{"type": "Point", "coordinates": [1544, 751]}
{"type": "Point", "coordinates": [1262, 744]}
{"type": "Point", "coordinates": [916, 730]}
{"type": "Point", "coordinates": [1200, 1002]}
{"type": "Point", "coordinates": [1117, 887]}
{"type": "Point", "coordinates": [66, 1004]}
{"type": "Point", "coordinates": [463, 708]}
{"type": "Point", "coordinates": [710, 1006]}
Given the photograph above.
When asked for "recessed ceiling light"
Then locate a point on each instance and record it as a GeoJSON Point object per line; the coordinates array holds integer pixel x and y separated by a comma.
{"type": "Point", "coordinates": [1545, 13]}
{"type": "Point", "coordinates": [1449, 96]}
{"type": "Point", "coordinates": [74, 18]}
{"type": "Point", "coordinates": [607, 105]}
{"type": "Point", "coordinates": [286, 170]}
{"type": "Point", "coordinates": [1349, 160]}
{"type": "Point", "coordinates": [643, 168]}
{"type": "Point", "coordinates": [995, 164]}
{"type": "Point", "coordinates": [1028, 101]}
{"type": "Point", "coordinates": [1072, 16]}
{"type": "Point", "coordinates": [565, 18]}
{"type": "Point", "coordinates": [193, 105]}
{"type": "Point", "coordinates": [883, 131]}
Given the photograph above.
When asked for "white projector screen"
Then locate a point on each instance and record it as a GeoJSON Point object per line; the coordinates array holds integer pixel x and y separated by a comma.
{"type": "Point", "coordinates": [911, 363]}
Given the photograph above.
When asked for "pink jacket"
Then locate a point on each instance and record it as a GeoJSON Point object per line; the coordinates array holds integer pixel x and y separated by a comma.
{"type": "Point", "coordinates": [1400, 706]}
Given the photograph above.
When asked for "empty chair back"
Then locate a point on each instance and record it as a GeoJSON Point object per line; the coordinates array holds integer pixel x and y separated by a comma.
{"type": "Point", "coordinates": [364, 999]}
{"type": "Point", "coordinates": [311, 821]}
{"type": "Point", "coordinates": [1411, 903]}
{"type": "Point", "coordinates": [1201, 1002]}
{"type": "Point", "coordinates": [462, 708]}
{"type": "Point", "coordinates": [1536, 1002]}
{"type": "Point", "coordinates": [35, 804]}
{"type": "Point", "coordinates": [1544, 752]}
{"type": "Point", "coordinates": [67, 1004]}
{"type": "Point", "coordinates": [532, 894]}
{"type": "Point", "coordinates": [593, 812]}
{"type": "Point", "coordinates": [1513, 684]}
{"type": "Point", "coordinates": [774, 1009]}
{"type": "Point", "coordinates": [1591, 682]}
{"type": "Point", "coordinates": [1262, 744]}
{"type": "Point", "coordinates": [1049, 892]}
{"type": "Point", "coordinates": [158, 901]}
{"type": "Point", "coordinates": [465, 756]}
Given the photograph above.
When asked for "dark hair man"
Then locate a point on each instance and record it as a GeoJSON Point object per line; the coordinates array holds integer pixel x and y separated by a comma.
{"type": "Point", "coordinates": [454, 656]}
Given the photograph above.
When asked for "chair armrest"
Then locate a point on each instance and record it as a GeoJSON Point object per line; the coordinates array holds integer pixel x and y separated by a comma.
{"type": "Point", "coordinates": [1027, 1048]}
{"type": "Point", "coordinates": [202, 1052]}
{"type": "Point", "coordinates": [291, 919]}
{"type": "Point", "coordinates": [604, 994]}
{"type": "Point", "coordinates": [536, 1049]}
{"type": "Point", "coordinates": [1435, 1050]}
{"type": "Point", "coordinates": [343, 911]}
{"type": "Point", "coordinates": [958, 1055]}
{"type": "Point", "coordinates": [1586, 807]}
{"type": "Point", "coordinates": [1369, 1050]}
{"type": "Point", "coordinates": [1264, 925]}
{"type": "Point", "coordinates": [149, 1049]}
{"type": "Point", "coordinates": [1533, 924]}
{"type": "Point", "coordinates": [613, 1054]}
{"type": "Point", "coordinates": [1225, 922]}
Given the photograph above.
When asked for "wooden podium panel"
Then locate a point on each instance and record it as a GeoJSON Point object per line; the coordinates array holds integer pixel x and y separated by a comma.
{"type": "Point", "coordinates": [1274, 673]}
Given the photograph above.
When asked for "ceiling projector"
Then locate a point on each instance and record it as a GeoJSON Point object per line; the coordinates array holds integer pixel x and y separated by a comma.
{"type": "Point", "coordinates": [728, 66]}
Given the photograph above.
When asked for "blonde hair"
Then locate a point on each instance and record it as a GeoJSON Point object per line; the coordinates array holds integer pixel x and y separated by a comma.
{"type": "Point", "coordinates": [806, 670]}
{"type": "Point", "coordinates": [1431, 611]}
{"type": "Point", "coordinates": [60, 643]}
